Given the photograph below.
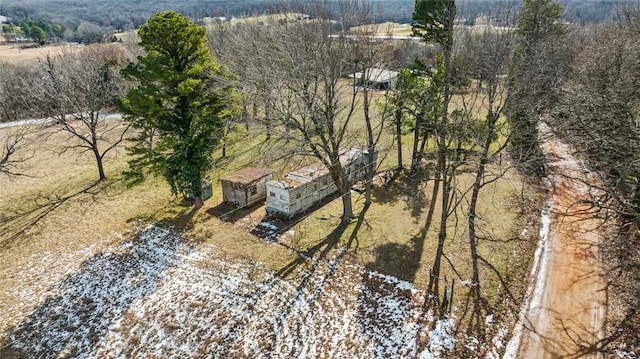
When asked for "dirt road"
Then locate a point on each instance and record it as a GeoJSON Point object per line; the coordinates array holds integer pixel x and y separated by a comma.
{"type": "Point", "coordinates": [565, 314]}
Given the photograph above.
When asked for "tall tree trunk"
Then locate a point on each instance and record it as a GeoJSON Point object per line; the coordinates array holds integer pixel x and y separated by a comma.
{"type": "Point", "coordinates": [415, 157]}
{"type": "Point", "coordinates": [197, 202]}
{"type": "Point", "coordinates": [473, 240]}
{"type": "Point", "coordinates": [225, 132]}
{"type": "Point", "coordinates": [398, 118]}
{"type": "Point", "coordinates": [341, 180]}
{"type": "Point", "coordinates": [424, 141]}
{"type": "Point", "coordinates": [96, 153]}
{"type": "Point", "coordinates": [245, 116]}
{"type": "Point", "coordinates": [371, 147]}
{"type": "Point", "coordinates": [347, 206]}
{"type": "Point", "coordinates": [442, 167]}
{"type": "Point", "coordinates": [267, 119]}
{"type": "Point", "coordinates": [196, 189]}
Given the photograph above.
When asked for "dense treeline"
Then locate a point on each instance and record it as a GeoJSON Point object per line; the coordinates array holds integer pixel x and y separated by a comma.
{"type": "Point", "coordinates": [127, 15]}
{"type": "Point", "coordinates": [120, 14]}
{"type": "Point", "coordinates": [599, 114]}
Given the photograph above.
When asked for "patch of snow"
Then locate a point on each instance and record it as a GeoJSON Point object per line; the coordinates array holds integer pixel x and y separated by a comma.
{"type": "Point", "coordinates": [524, 232]}
{"type": "Point", "coordinates": [472, 343]}
{"type": "Point", "coordinates": [626, 355]}
{"type": "Point", "coordinates": [489, 319]}
{"type": "Point", "coordinates": [268, 225]}
{"type": "Point", "coordinates": [441, 339]}
{"type": "Point", "coordinates": [498, 343]}
{"type": "Point", "coordinates": [160, 296]}
{"type": "Point", "coordinates": [534, 291]}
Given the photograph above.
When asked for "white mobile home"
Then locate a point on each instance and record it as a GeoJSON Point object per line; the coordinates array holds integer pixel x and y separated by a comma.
{"type": "Point", "coordinates": [354, 162]}
{"type": "Point", "coordinates": [301, 189]}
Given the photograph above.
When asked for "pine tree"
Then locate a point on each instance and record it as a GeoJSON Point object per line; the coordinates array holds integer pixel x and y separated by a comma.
{"type": "Point", "coordinates": [538, 66]}
{"type": "Point", "coordinates": [180, 105]}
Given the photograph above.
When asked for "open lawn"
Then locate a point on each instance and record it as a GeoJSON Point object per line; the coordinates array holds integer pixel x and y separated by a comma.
{"type": "Point", "coordinates": [55, 223]}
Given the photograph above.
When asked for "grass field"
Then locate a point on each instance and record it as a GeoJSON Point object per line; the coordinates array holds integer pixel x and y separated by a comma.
{"type": "Point", "coordinates": [385, 29]}
{"type": "Point", "coordinates": [15, 54]}
{"type": "Point", "coordinates": [57, 217]}
{"type": "Point", "coordinates": [58, 213]}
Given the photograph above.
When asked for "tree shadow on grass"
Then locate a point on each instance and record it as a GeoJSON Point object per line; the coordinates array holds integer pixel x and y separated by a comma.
{"type": "Point", "coordinates": [310, 260]}
{"type": "Point", "coordinates": [309, 273]}
{"type": "Point", "coordinates": [272, 226]}
{"type": "Point", "coordinates": [74, 318]}
{"type": "Point", "coordinates": [14, 226]}
{"type": "Point", "coordinates": [407, 188]}
{"type": "Point", "coordinates": [399, 260]}
{"type": "Point", "coordinates": [230, 213]}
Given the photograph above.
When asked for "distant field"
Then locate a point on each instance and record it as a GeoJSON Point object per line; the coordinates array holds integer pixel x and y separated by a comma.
{"type": "Point", "coordinates": [12, 53]}
{"type": "Point", "coordinates": [386, 29]}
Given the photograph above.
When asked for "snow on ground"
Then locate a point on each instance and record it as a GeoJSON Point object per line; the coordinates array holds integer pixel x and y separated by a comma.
{"type": "Point", "coordinates": [159, 296]}
{"type": "Point", "coordinates": [535, 290]}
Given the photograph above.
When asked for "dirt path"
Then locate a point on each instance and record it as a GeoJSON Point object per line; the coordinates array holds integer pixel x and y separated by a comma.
{"type": "Point", "coordinates": [567, 304]}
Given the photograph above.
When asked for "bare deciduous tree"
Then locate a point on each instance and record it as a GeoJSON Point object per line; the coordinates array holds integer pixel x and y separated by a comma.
{"type": "Point", "coordinates": [298, 70]}
{"type": "Point", "coordinates": [15, 97]}
{"type": "Point", "coordinates": [538, 67]}
{"type": "Point", "coordinates": [76, 89]}
{"type": "Point", "coordinates": [488, 55]}
{"type": "Point", "coordinates": [12, 153]}
{"type": "Point", "coordinates": [599, 114]}
{"type": "Point", "coordinates": [434, 23]}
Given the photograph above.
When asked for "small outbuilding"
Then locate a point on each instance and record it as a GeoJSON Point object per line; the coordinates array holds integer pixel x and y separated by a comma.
{"type": "Point", "coordinates": [377, 78]}
{"type": "Point", "coordinates": [245, 187]}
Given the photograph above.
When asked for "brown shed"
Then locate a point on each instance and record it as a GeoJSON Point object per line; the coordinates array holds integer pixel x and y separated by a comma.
{"type": "Point", "coordinates": [246, 187]}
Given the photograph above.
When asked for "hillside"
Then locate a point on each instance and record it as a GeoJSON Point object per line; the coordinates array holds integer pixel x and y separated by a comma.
{"type": "Point", "coordinates": [126, 15]}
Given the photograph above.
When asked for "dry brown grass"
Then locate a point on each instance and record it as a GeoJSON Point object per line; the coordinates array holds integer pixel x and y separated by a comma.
{"type": "Point", "coordinates": [15, 54]}
{"type": "Point", "coordinates": [61, 210]}
{"type": "Point", "coordinates": [384, 29]}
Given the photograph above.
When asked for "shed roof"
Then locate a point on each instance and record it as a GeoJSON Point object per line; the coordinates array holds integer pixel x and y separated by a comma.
{"type": "Point", "coordinates": [247, 175]}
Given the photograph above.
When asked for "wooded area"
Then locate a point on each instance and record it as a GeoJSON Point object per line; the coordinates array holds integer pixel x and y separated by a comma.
{"type": "Point", "coordinates": [462, 119]}
{"type": "Point", "coordinates": [90, 23]}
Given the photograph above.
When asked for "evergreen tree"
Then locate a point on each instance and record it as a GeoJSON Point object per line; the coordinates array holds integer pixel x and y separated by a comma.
{"type": "Point", "coordinates": [180, 105]}
{"type": "Point", "coordinates": [539, 64]}
{"type": "Point", "coordinates": [434, 21]}
{"type": "Point", "coordinates": [34, 31]}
